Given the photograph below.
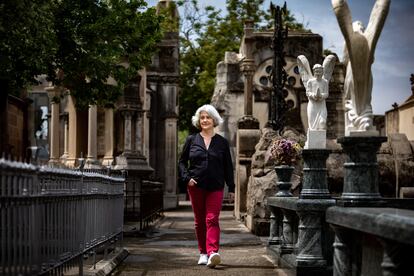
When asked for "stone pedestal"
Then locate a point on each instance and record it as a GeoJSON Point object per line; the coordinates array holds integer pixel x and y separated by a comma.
{"type": "Point", "coordinates": [130, 159]}
{"type": "Point", "coordinates": [354, 132]}
{"type": "Point", "coordinates": [316, 139]}
{"type": "Point", "coordinates": [361, 170]}
{"type": "Point", "coordinates": [314, 199]}
{"type": "Point", "coordinates": [133, 161]}
{"type": "Point", "coordinates": [314, 174]}
{"type": "Point", "coordinates": [246, 142]}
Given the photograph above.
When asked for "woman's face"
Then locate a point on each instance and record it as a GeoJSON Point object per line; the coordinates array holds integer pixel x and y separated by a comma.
{"type": "Point", "coordinates": [206, 121]}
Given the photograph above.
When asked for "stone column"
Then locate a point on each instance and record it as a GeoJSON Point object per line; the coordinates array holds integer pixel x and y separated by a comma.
{"type": "Point", "coordinates": [310, 240]}
{"type": "Point", "coordinates": [396, 258]}
{"type": "Point", "coordinates": [138, 132]}
{"type": "Point", "coordinates": [342, 265]}
{"type": "Point", "coordinates": [289, 236]}
{"type": "Point", "coordinates": [54, 94]}
{"type": "Point", "coordinates": [91, 158]}
{"type": "Point", "coordinates": [248, 68]}
{"type": "Point", "coordinates": [127, 114]}
{"type": "Point", "coordinates": [275, 226]}
{"type": "Point", "coordinates": [361, 170]}
{"type": "Point", "coordinates": [248, 133]}
{"type": "Point", "coordinates": [109, 137]}
{"type": "Point", "coordinates": [65, 137]}
{"type": "Point", "coordinates": [170, 161]}
{"type": "Point", "coordinates": [73, 134]}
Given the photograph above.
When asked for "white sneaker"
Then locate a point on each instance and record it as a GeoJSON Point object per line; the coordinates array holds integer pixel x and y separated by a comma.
{"type": "Point", "coordinates": [213, 260]}
{"type": "Point", "coordinates": [203, 259]}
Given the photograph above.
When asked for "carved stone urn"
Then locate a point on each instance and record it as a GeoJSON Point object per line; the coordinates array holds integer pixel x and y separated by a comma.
{"type": "Point", "coordinates": [284, 175]}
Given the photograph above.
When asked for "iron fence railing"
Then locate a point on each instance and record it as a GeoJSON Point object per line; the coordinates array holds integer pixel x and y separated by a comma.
{"type": "Point", "coordinates": [51, 218]}
{"type": "Point", "coordinates": [143, 202]}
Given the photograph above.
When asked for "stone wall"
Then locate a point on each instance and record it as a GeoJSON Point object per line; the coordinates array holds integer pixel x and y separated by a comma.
{"type": "Point", "coordinates": [391, 121]}
{"type": "Point", "coordinates": [406, 122]}
{"type": "Point", "coordinates": [17, 127]}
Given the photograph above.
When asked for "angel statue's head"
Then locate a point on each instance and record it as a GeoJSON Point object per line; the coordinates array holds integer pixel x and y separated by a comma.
{"type": "Point", "coordinates": [358, 27]}
{"type": "Point", "coordinates": [318, 71]}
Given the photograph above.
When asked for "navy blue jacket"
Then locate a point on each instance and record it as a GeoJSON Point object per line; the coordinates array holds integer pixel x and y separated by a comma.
{"type": "Point", "coordinates": [211, 167]}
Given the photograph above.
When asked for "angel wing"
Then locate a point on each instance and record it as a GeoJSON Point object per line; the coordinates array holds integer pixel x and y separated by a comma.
{"type": "Point", "coordinates": [328, 66]}
{"type": "Point", "coordinates": [304, 70]}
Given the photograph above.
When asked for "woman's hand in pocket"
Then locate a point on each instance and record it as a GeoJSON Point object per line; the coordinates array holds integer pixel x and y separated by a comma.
{"type": "Point", "coordinates": [192, 182]}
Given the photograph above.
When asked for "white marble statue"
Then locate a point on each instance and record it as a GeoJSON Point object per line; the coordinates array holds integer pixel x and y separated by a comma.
{"type": "Point", "coordinates": [359, 57]}
{"type": "Point", "coordinates": [317, 91]}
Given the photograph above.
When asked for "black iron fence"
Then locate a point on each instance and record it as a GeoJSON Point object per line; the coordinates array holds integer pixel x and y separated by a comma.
{"type": "Point", "coordinates": [143, 201]}
{"type": "Point", "coordinates": [51, 218]}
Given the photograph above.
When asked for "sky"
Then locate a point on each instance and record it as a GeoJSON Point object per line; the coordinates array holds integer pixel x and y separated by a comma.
{"type": "Point", "coordinates": [394, 54]}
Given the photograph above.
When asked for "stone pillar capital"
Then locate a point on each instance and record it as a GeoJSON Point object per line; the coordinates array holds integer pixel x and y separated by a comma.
{"type": "Point", "coordinates": [248, 27]}
{"type": "Point", "coordinates": [64, 116]}
{"type": "Point", "coordinates": [127, 113]}
{"type": "Point", "coordinates": [54, 93]}
{"type": "Point", "coordinates": [248, 67]}
{"type": "Point", "coordinates": [248, 122]}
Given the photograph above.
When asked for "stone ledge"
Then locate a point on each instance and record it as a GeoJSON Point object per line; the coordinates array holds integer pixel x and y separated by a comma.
{"type": "Point", "coordinates": [391, 223]}
{"type": "Point", "coordinates": [289, 203]}
{"type": "Point", "coordinates": [105, 267]}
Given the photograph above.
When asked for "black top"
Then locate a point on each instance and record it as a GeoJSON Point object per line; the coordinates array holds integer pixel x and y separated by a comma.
{"type": "Point", "coordinates": [209, 167]}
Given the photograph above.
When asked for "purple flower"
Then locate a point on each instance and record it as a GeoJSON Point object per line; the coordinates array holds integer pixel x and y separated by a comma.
{"type": "Point", "coordinates": [285, 152]}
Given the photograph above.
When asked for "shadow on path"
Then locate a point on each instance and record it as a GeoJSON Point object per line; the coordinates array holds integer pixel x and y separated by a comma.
{"type": "Point", "coordinates": [171, 249]}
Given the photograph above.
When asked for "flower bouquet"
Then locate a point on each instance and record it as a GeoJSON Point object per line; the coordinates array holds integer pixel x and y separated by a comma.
{"type": "Point", "coordinates": [285, 153]}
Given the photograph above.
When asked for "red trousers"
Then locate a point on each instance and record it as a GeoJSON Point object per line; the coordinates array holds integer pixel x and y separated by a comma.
{"type": "Point", "coordinates": [206, 207]}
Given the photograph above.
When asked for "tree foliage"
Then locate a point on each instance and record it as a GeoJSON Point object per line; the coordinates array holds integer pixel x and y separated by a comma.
{"type": "Point", "coordinates": [86, 41]}
{"type": "Point", "coordinates": [99, 40]}
{"type": "Point", "coordinates": [28, 42]}
{"type": "Point", "coordinates": [206, 34]}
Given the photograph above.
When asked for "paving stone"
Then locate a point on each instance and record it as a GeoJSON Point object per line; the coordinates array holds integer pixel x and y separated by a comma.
{"type": "Point", "coordinates": [171, 249]}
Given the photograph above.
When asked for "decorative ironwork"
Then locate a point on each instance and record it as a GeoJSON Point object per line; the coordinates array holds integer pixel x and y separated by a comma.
{"type": "Point", "coordinates": [278, 75]}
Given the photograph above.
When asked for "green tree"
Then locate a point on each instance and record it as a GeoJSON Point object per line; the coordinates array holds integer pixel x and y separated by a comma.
{"type": "Point", "coordinates": [86, 41]}
{"type": "Point", "coordinates": [99, 40]}
{"type": "Point", "coordinates": [205, 36]}
{"type": "Point", "coordinates": [28, 42]}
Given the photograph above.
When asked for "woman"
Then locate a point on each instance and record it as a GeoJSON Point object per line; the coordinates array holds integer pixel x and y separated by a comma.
{"type": "Point", "coordinates": [205, 164]}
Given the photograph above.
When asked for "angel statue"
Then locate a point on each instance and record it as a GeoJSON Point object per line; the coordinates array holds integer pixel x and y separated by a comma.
{"type": "Point", "coordinates": [317, 90]}
{"type": "Point", "coordinates": [359, 56]}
